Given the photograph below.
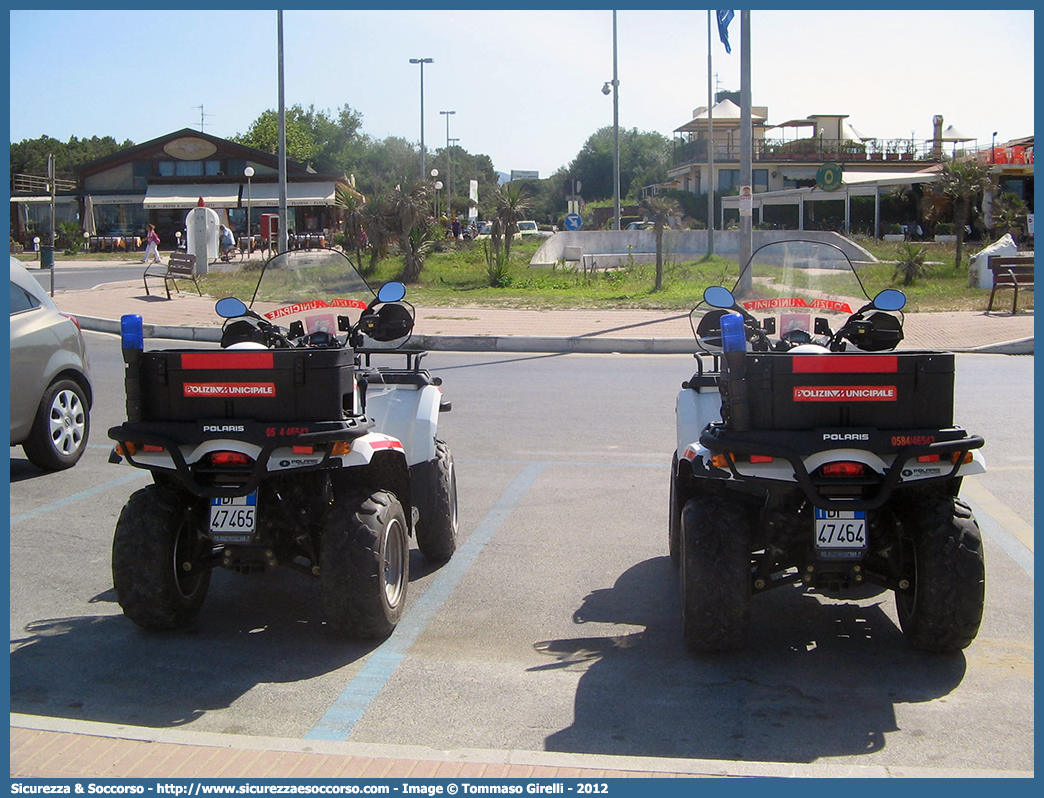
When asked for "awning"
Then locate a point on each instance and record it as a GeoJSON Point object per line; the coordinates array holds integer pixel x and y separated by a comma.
{"type": "Point", "coordinates": [297, 194]}
{"type": "Point", "coordinates": [117, 199]}
{"type": "Point", "coordinates": [215, 195]}
{"type": "Point", "coordinates": [36, 198]}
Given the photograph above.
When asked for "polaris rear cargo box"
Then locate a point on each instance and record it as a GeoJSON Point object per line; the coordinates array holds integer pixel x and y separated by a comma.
{"type": "Point", "coordinates": [262, 385]}
{"type": "Point", "coordinates": [886, 391]}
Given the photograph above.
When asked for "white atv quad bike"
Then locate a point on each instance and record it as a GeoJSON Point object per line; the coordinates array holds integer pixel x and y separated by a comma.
{"type": "Point", "coordinates": [802, 461]}
{"type": "Point", "coordinates": [285, 447]}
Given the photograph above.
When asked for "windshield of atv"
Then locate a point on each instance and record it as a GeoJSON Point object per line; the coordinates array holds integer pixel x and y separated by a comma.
{"type": "Point", "coordinates": [797, 291]}
{"type": "Point", "coordinates": [313, 286]}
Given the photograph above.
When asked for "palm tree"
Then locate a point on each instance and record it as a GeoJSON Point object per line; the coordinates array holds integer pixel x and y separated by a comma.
{"type": "Point", "coordinates": [660, 209]}
{"type": "Point", "coordinates": [377, 223]}
{"type": "Point", "coordinates": [408, 213]}
{"type": "Point", "coordinates": [352, 203]}
{"type": "Point", "coordinates": [513, 204]}
{"type": "Point", "coordinates": [964, 183]}
{"type": "Point", "coordinates": [911, 263]}
{"type": "Point", "coordinates": [1008, 212]}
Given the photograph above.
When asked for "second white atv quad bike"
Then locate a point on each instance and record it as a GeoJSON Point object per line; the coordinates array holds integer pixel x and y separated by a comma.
{"type": "Point", "coordinates": [285, 447]}
{"type": "Point", "coordinates": [809, 452]}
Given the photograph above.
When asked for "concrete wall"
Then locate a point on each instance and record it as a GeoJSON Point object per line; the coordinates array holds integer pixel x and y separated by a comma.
{"type": "Point", "coordinates": [616, 245]}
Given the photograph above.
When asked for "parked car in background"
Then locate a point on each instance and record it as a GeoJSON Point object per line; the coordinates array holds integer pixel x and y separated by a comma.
{"type": "Point", "coordinates": [51, 392]}
{"type": "Point", "coordinates": [485, 230]}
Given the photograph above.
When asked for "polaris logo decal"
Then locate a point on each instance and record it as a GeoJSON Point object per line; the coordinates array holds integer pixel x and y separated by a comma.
{"type": "Point", "coordinates": [845, 393]}
{"type": "Point", "coordinates": [847, 436]}
{"type": "Point", "coordinates": [300, 462]}
{"type": "Point", "coordinates": [230, 389]}
{"type": "Point", "coordinates": [226, 428]}
{"type": "Point", "coordinates": [922, 472]}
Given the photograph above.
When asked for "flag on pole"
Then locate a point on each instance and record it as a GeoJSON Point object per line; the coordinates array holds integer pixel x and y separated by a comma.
{"type": "Point", "coordinates": [724, 18]}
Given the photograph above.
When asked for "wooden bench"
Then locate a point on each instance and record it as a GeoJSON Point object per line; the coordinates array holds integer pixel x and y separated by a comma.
{"type": "Point", "coordinates": [1012, 272]}
{"type": "Point", "coordinates": [180, 266]}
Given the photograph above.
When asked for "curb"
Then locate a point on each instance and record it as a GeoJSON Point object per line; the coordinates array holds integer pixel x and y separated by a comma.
{"type": "Point", "coordinates": [515, 343]}
{"type": "Point", "coordinates": [613, 765]}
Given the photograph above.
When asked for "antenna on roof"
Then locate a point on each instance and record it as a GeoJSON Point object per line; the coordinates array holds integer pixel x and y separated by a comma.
{"type": "Point", "coordinates": [201, 115]}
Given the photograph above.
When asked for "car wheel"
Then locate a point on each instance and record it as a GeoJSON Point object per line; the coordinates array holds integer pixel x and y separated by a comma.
{"type": "Point", "coordinates": [63, 423]}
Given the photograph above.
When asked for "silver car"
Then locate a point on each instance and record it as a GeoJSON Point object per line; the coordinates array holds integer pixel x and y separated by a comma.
{"type": "Point", "coordinates": [50, 384]}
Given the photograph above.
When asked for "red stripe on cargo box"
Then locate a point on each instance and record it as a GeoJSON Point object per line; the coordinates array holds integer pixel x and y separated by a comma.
{"type": "Point", "coordinates": [227, 360]}
{"type": "Point", "coordinates": [845, 364]}
{"type": "Point", "coordinates": [385, 445]}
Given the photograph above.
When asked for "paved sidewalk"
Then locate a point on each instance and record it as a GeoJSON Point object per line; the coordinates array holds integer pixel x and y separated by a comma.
{"type": "Point", "coordinates": [59, 748]}
{"type": "Point", "coordinates": [188, 316]}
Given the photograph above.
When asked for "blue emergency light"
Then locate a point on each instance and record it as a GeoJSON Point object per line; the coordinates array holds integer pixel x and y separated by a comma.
{"type": "Point", "coordinates": [132, 335]}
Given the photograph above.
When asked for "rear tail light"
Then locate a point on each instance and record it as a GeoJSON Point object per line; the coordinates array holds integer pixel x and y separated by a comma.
{"type": "Point", "coordinates": [73, 319]}
{"type": "Point", "coordinates": [843, 468]}
{"type": "Point", "coordinates": [726, 460]}
{"type": "Point", "coordinates": [229, 459]}
{"type": "Point", "coordinates": [961, 458]}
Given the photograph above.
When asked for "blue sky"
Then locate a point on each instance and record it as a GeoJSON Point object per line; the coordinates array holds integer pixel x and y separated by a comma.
{"type": "Point", "coordinates": [525, 85]}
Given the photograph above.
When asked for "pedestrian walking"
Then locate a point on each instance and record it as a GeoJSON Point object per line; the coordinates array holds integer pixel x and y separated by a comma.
{"type": "Point", "coordinates": [152, 240]}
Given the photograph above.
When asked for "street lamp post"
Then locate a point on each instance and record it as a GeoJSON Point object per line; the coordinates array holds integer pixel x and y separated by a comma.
{"type": "Point", "coordinates": [615, 83]}
{"type": "Point", "coordinates": [438, 187]}
{"type": "Point", "coordinates": [449, 187]}
{"type": "Point", "coordinates": [249, 172]}
{"type": "Point", "coordinates": [422, 62]}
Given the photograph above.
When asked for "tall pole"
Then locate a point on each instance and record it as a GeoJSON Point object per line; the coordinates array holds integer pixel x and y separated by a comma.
{"type": "Point", "coordinates": [284, 221]}
{"type": "Point", "coordinates": [616, 135]}
{"type": "Point", "coordinates": [450, 188]}
{"type": "Point", "coordinates": [710, 144]}
{"type": "Point", "coordinates": [423, 159]}
{"type": "Point", "coordinates": [746, 243]}
{"type": "Point", "coordinates": [249, 172]}
{"type": "Point", "coordinates": [449, 185]}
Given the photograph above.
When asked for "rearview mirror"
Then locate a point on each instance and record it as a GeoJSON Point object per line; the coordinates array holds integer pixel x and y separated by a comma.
{"type": "Point", "coordinates": [230, 307]}
{"type": "Point", "coordinates": [718, 297]}
{"type": "Point", "coordinates": [890, 299]}
{"type": "Point", "coordinates": [391, 292]}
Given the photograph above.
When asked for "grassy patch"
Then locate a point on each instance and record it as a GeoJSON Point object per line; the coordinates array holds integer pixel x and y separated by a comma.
{"type": "Point", "coordinates": [456, 276]}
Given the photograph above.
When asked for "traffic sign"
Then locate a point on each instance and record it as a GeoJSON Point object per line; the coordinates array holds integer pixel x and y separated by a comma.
{"type": "Point", "coordinates": [574, 221]}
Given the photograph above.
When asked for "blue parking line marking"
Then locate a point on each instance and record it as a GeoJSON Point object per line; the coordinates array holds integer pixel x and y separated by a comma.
{"type": "Point", "coordinates": [342, 716]}
{"type": "Point", "coordinates": [83, 494]}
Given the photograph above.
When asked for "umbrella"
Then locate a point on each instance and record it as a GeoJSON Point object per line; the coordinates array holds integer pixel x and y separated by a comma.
{"type": "Point", "coordinates": [953, 134]}
{"type": "Point", "coordinates": [89, 226]}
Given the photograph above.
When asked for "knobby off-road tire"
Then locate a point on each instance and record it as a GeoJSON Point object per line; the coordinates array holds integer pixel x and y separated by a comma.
{"type": "Point", "coordinates": [154, 542]}
{"type": "Point", "coordinates": [437, 528]}
{"type": "Point", "coordinates": [944, 609]}
{"type": "Point", "coordinates": [60, 430]}
{"type": "Point", "coordinates": [364, 563]}
{"type": "Point", "coordinates": [715, 574]}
